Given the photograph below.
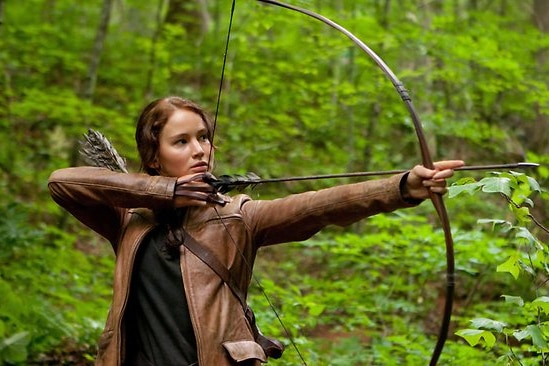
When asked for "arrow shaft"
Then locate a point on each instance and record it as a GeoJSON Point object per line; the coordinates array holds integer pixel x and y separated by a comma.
{"type": "Point", "coordinates": [383, 172]}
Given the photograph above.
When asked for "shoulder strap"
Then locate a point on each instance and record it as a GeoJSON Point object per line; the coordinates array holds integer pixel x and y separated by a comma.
{"type": "Point", "coordinates": [272, 347]}
{"type": "Point", "coordinates": [209, 258]}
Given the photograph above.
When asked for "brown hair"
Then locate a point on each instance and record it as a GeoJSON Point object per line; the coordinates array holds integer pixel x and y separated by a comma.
{"type": "Point", "coordinates": [151, 121]}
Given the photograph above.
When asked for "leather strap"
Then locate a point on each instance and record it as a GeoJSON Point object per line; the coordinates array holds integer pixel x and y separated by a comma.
{"type": "Point", "coordinates": [209, 258]}
{"type": "Point", "coordinates": [272, 347]}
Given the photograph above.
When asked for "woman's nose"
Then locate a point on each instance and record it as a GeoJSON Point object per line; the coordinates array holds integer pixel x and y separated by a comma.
{"type": "Point", "coordinates": [198, 149]}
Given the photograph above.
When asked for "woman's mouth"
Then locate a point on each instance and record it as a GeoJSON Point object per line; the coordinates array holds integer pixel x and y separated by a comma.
{"type": "Point", "coordinates": [200, 167]}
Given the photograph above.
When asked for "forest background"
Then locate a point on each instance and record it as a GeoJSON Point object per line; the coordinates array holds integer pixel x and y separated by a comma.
{"type": "Point", "coordinates": [297, 98]}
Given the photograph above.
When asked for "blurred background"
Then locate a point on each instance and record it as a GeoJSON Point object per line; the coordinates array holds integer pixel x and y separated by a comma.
{"type": "Point", "coordinates": [297, 98]}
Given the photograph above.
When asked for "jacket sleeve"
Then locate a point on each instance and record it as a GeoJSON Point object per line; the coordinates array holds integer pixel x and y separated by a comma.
{"type": "Point", "coordinates": [298, 217]}
{"type": "Point", "coordinates": [99, 197]}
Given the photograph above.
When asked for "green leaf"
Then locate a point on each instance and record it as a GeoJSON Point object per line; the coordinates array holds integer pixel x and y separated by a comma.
{"type": "Point", "coordinates": [502, 224]}
{"type": "Point", "coordinates": [534, 185]}
{"type": "Point", "coordinates": [521, 334]}
{"type": "Point", "coordinates": [542, 303]}
{"type": "Point", "coordinates": [537, 336]}
{"type": "Point", "coordinates": [315, 309]}
{"type": "Point", "coordinates": [514, 300]}
{"type": "Point", "coordinates": [530, 239]}
{"type": "Point", "coordinates": [534, 332]}
{"type": "Point", "coordinates": [485, 323]}
{"type": "Point", "coordinates": [456, 190]}
{"type": "Point", "coordinates": [14, 348]}
{"type": "Point", "coordinates": [496, 185]}
{"type": "Point", "coordinates": [511, 266]}
{"type": "Point", "coordinates": [473, 336]}
{"type": "Point", "coordinates": [522, 214]}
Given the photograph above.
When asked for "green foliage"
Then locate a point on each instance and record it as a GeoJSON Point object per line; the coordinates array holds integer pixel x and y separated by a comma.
{"type": "Point", "coordinates": [297, 98]}
{"type": "Point", "coordinates": [14, 349]}
{"type": "Point", "coordinates": [529, 328]}
{"type": "Point", "coordinates": [53, 294]}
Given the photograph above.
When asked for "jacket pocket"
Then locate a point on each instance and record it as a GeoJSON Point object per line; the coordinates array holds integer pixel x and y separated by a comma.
{"type": "Point", "coordinates": [245, 350]}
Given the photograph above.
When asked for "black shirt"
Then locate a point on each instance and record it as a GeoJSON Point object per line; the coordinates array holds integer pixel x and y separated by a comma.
{"type": "Point", "coordinates": [158, 324]}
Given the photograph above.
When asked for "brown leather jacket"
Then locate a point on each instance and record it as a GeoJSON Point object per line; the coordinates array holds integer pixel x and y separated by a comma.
{"type": "Point", "coordinates": [118, 206]}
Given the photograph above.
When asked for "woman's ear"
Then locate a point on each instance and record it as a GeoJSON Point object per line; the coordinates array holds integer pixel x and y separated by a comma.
{"type": "Point", "coordinates": [155, 165]}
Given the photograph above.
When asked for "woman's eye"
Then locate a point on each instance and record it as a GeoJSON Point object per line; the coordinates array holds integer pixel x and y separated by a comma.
{"type": "Point", "coordinates": [204, 138]}
{"type": "Point", "coordinates": [182, 141]}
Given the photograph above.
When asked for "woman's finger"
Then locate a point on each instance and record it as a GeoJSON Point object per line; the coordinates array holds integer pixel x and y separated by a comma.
{"type": "Point", "coordinates": [448, 164]}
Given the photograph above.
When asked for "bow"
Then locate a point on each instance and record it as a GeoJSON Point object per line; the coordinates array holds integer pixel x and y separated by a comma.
{"type": "Point", "coordinates": [427, 160]}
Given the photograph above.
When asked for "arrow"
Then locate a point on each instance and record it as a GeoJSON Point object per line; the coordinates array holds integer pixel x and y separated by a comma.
{"type": "Point", "coordinates": [226, 183]}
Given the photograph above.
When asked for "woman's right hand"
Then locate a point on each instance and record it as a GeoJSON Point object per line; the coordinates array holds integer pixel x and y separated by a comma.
{"type": "Point", "coordinates": [191, 190]}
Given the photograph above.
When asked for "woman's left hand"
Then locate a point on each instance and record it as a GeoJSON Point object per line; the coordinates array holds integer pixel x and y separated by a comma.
{"type": "Point", "coordinates": [193, 190]}
{"type": "Point", "coordinates": [422, 180]}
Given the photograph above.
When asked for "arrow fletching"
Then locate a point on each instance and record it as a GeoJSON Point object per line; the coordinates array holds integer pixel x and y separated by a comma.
{"type": "Point", "coordinates": [226, 183]}
{"type": "Point", "coordinates": [97, 150]}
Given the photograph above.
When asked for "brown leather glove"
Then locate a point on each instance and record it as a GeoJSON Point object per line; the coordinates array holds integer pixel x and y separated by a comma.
{"type": "Point", "coordinates": [195, 187]}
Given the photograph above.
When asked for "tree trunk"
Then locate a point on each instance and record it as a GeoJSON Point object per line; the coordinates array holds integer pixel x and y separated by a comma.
{"type": "Point", "coordinates": [539, 133]}
{"type": "Point", "coordinates": [149, 89]}
{"type": "Point", "coordinates": [97, 50]}
{"type": "Point", "coordinates": [541, 15]}
{"type": "Point", "coordinates": [193, 16]}
{"type": "Point", "coordinates": [88, 88]}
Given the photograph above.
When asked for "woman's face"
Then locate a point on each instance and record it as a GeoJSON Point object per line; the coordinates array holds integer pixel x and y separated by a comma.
{"type": "Point", "coordinates": [184, 147]}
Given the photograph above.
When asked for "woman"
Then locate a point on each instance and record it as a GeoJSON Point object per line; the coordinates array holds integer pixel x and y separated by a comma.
{"type": "Point", "coordinates": [169, 306]}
